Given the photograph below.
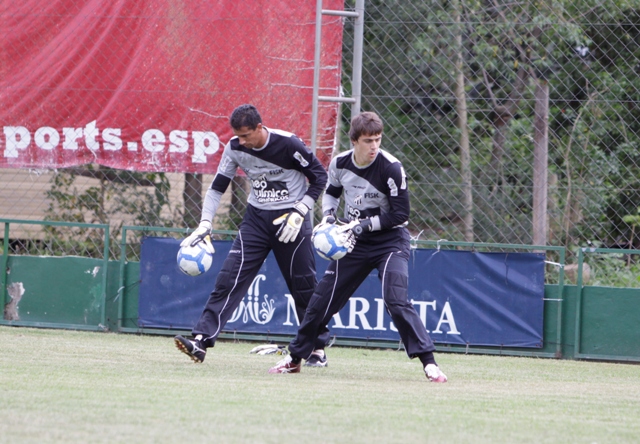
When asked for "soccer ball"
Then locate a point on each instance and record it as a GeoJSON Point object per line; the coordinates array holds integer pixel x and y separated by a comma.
{"type": "Point", "coordinates": [329, 242]}
{"type": "Point", "coordinates": [197, 259]}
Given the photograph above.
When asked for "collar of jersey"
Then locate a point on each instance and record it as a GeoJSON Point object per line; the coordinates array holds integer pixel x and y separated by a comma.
{"type": "Point", "coordinates": [266, 143]}
{"type": "Point", "coordinates": [353, 160]}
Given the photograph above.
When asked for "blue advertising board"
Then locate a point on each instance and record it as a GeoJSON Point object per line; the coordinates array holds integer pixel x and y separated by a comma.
{"type": "Point", "coordinates": [462, 297]}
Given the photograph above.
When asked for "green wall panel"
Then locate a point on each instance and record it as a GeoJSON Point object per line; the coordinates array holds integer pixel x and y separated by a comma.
{"type": "Point", "coordinates": [59, 290]}
{"type": "Point", "coordinates": [610, 321]}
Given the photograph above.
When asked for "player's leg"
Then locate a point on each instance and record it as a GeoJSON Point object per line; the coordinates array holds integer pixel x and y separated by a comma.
{"type": "Point", "coordinates": [297, 264]}
{"type": "Point", "coordinates": [339, 282]}
{"type": "Point", "coordinates": [393, 271]}
{"type": "Point", "coordinates": [247, 254]}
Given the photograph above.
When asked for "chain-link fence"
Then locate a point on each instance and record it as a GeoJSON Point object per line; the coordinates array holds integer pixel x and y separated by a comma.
{"type": "Point", "coordinates": [517, 122]}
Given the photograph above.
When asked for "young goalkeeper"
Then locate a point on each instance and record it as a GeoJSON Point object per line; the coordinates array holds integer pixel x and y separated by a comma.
{"type": "Point", "coordinates": [374, 186]}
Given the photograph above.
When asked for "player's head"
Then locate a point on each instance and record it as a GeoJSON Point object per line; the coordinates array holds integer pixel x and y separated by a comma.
{"type": "Point", "coordinates": [366, 136]}
{"type": "Point", "coordinates": [245, 116]}
{"type": "Point", "coordinates": [247, 127]}
{"type": "Point", "coordinates": [365, 124]}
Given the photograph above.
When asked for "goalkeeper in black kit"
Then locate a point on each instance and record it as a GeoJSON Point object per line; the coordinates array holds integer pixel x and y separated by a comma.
{"type": "Point", "coordinates": [374, 186]}
{"type": "Point", "coordinates": [277, 219]}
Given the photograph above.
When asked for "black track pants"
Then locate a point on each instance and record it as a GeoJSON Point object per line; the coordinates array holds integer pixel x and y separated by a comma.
{"type": "Point", "coordinates": [256, 238]}
{"type": "Point", "coordinates": [389, 254]}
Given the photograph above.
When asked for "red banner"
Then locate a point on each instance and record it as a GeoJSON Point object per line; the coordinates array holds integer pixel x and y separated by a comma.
{"type": "Point", "coordinates": [148, 85]}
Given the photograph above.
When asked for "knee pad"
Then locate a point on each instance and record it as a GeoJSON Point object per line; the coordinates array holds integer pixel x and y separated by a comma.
{"type": "Point", "coordinates": [303, 287]}
{"type": "Point", "coordinates": [228, 273]}
{"type": "Point", "coordinates": [396, 289]}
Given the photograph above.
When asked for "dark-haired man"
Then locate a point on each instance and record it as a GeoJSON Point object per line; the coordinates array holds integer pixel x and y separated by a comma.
{"type": "Point", "coordinates": [278, 165]}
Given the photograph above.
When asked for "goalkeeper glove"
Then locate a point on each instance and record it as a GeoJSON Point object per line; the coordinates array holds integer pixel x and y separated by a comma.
{"type": "Point", "coordinates": [353, 230]}
{"type": "Point", "coordinates": [363, 226]}
{"type": "Point", "coordinates": [350, 241]}
{"type": "Point", "coordinates": [200, 233]}
{"type": "Point", "coordinates": [329, 217]}
{"type": "Point", "coordinates": [348, 238]}
{"type": "Point", "coordinates": [291, 222]}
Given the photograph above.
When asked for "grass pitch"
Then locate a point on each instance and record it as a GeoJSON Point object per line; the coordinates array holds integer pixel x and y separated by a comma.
{"type": "Point", "coordinates": [60, 386]}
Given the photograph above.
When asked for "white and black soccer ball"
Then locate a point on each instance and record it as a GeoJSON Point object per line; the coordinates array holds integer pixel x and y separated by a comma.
{"type": "Point", "coordinates": [329, 242]}
{"type": "Point", "coordinates": [197, 259]}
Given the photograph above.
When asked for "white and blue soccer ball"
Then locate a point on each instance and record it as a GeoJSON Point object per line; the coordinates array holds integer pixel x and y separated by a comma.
{"type": "Point", "coordinates": [329, 241]}
{"type": "Point", "coordinates": [197, 259]}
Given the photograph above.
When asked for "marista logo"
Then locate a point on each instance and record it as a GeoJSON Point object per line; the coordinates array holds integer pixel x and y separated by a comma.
{"type": "Point", "coordinates": [361, 313]}
{"type": "Point", "coordinates": [260, 313]}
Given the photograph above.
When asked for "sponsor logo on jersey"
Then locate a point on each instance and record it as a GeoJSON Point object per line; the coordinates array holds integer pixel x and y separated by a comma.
{"type": "Point", "coordinates": [276, 172]}
{"type": "Point", "coordinates": [371, 195]}
{"type": "Point", "coordinates": [353, 213]}
{"type": "Point", "coordinates": [266, 191]}
{"type": "Point", "coordinates": [300, 159]}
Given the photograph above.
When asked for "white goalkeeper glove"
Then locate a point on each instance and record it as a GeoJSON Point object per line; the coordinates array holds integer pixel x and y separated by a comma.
{"type": "Point", "coordinates": [329, 217]}
{"type": "Point", "coordinates": [200, 233]}
{"type": "Point", "coordinates": [348, 239]}
{"type": "Point", "coordinates": [353, 230]}
{"type": "Point", "coordinates": [291, 222]}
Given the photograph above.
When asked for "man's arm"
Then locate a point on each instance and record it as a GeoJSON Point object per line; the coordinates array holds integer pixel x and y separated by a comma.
{"type": "Point", "coordinates": [212, 198]}
{"type": "Point", "coordinates": [317, 177]}
{"type": "Point", "coordinates": [291, 222]}
{"type": "Point", "coordinates": [226, 171]}
{"type": "Point", "coordinates": [400, 207]}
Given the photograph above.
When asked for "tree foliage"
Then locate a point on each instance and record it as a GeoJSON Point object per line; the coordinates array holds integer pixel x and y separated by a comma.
{"type": "Point", "coordinates": [117, 195]}
{"type": "Point", "coordinates": [588, 53]}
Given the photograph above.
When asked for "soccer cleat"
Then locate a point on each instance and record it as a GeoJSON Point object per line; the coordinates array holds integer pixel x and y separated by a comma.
{"type": "Point", "coordinates": [317, 359]}
{"type": "Point", "coordinates": [286, 365]}
{"type": "Point", "coordinates": [434, 374]}
{"type": "Point", "coordinates": [191, 348]}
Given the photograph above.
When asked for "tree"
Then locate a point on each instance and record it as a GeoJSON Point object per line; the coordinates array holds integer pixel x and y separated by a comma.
{"type": "Point", "coordinates": [566, 172]}
{"type": "Point", "coordinates": [115, 197]}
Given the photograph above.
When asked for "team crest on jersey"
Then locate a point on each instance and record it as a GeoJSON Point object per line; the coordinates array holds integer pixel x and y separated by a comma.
{"type": "Point", "coordinates": [267, 191]}
{"type": "Point", "coordinates": [300, 159]}
{"type": "Point", "coordinates": [358, 200]}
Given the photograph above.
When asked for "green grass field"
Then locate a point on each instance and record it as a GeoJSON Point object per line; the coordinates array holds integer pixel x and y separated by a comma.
{"type": "Point", "coordinates": [81, 387]}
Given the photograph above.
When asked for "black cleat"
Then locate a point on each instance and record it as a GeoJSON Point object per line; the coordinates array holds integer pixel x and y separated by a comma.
{"type": "Point", "coordinates": [193, 349]}
{"type": "Point", "coordinates": [317, 359]}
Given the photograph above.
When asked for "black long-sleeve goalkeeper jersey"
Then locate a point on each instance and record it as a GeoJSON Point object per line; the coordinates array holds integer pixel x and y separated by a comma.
{"type": "Point", "coordinates": [378, 190]}
{"type": "Point", "coordinates": [278, 173]}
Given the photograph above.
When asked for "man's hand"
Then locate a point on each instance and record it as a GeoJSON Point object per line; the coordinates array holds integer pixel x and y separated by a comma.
{"type": "Point", "coordinates": [354, 229]}
{"type": "Point", "coordinates": [291, 222]}
{"type": "Point", "coordinates": [348, 238]}
{"type": "Point", "coordinates": [363, 226]}
{"type": "Point", "coordinates": [200, 233]}
{"type": "Point", "coordinates": [329, 217]}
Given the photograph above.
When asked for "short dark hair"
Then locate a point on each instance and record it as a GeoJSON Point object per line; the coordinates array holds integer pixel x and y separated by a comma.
{"type": "Point", "coordinates": [366, 123]}
{"type": "Point", "coordinates": [245, 115]}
